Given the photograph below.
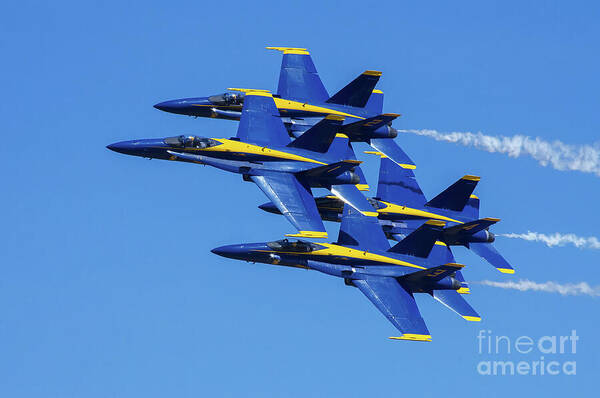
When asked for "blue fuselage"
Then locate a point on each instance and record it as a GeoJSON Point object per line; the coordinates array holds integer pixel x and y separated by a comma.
{"type": "Point", "coordinates": [233, 156]}
{"type": "Point", "coordinates": [341, 261]}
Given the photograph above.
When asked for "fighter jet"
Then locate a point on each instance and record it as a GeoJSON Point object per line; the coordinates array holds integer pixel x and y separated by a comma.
{"type": "Point", "coordinates": [302, 101]}
{"type": "Point", "coordinates": [388, 277]}
{"type": "Point", "coordinates": [402, 208]}
{"type": "Point", "coordinates": [263, 153]}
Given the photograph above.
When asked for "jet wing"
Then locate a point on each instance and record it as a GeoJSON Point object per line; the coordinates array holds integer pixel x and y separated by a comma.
{"type": "Point", "coordinates": [298, 78]}
{"type": "Point", "coordinates": [260, 123]}
{"type": "Point", "coordinates": [295, 201]}
{"type": "Point", "coordinates": [362, 129]}
{"type": "Point", "coordinates": [397, 304]}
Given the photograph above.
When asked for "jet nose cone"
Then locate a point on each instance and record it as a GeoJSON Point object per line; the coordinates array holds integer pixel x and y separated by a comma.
{"type": "Point", "coordinates": [231, 251]}
{"type": "Point", "coordinates": [121, 147]}
{"type": "Point", "coordinates": [200, 106]}
{"type": "Point", "coordinates": [219, 251]}
{"type": "Point", "coordinates": [167, 106]}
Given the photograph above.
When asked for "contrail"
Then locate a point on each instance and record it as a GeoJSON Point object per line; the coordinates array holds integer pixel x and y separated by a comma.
{"type": "Point", "coordinates": [584, 158]}
{"type": "Point", "coordinates": [557, 239]}
{"type": "Point", "coordinates": [568, 289]}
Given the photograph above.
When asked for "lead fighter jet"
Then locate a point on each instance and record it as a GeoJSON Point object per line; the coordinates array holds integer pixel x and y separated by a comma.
{"type": "Point", "coordinates": [263, 153]}
{"type": "Point", "coordinates": [388, 277]}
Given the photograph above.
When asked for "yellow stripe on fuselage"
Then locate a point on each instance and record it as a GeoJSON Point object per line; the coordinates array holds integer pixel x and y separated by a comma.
{"type": "Point", "coordinates": [343, 251]}
{"type": "Point", "coordinates": [346, 253]}
{"type": "Point", "coordinates": [397, 209]}
{"type": "Point", "coordinates": [243, 147]}
{"type": "Point", "coordinates": [285, 104]}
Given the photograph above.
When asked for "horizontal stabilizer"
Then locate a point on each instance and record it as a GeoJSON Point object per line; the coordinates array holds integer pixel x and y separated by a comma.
{"type": "Point", "coordinates": [363, 129]}
{"type": "Point", "coordinates": [319, 137]}
{"type": "Point", "coordinates": [453, 300]}
{"type": "Point", "coordinates": [469, 228]}
{"type": "Point", "coordinates": [491, 255]}
{"type": "Point", "coordinates": [357, 92]}
{"type": "Point", "coordinates": [420, 242]}
{"type": "Point", "coordinates": [431, 275]}
{"type": "Point", "coordinates": [456, 196]}
{"type": "Point", "coordinates": [331, 170]}
{"type": "Point", "coordinates": [352, 196]}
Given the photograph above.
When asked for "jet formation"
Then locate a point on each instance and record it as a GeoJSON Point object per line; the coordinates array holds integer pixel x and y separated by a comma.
{"type": "Point", "coordinates": [301, 138]}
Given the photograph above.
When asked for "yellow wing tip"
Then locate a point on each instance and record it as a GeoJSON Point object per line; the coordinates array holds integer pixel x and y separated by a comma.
{"type": "Point", "coordinates": [464, 290]}
{"type": "Point", "coordinates": [474, 197]}
{"type": "Point", "coordinates": [375, 153]}
{"type": "Point", "coordinates": [412, 337]}
{"type": "Point", "coordinates": [491, 219]}
{"type": "Point", "coordinates": [407, 166]}
{"type": "Point", "coordinates": [362, 187]}
{"type": "Point", "coordinates": [455, 265]}
{"type": "Point", "coordinates": [370, 213]}
{"type": "Point", "coordinates": [506, 270]}
{"type": "Point", "coordinates": [308, 234]}
{"type": "Point", "coordinates": [471, 178]}
{"type": "Point", "coordinates": [472, 318]}
{"type": "Point", "coordinates": [372, 73]}
{"type": "Point", "coordinates": [440, 243]}
{"type": "Point", "coordinates": [436, 223]}
{"type": "Point", "coordinates": [352, 161]}
{"type": "Point", "coordinates": [335, 117]}
{"type": "Point", "coordinates": [290, 50]}
{"type": "Point", "coordinates": [285, 48]}
{"type": "Point", "coordinates": [376, 91]}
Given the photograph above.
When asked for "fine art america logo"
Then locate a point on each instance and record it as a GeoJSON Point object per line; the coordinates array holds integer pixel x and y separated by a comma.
{"type": "Point", "coordinates": [524, 355]}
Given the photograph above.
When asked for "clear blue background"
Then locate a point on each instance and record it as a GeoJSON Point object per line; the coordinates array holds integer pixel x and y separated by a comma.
{"type": "Point", "coordinates": [107, 284]}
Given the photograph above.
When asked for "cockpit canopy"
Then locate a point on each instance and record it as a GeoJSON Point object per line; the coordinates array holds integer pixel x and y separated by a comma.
{"type": "Point", "coordinates": [190, 141]}
{"type": "Point", "coordinates": [286, 245]}
{"type": "Point", "coordinates": [227, 99]}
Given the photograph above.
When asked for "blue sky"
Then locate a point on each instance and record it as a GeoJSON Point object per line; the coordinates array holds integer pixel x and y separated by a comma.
{"type": "Point", "coordinates": [108, 286]}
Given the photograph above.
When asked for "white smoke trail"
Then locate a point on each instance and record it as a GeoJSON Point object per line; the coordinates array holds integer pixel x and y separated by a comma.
{"type": "Point", "coordinates": [568, 289]}
{"type": "Point", "coordinates": [557, 239]}
{"type": "Point", "coordinates": [561, 156]}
